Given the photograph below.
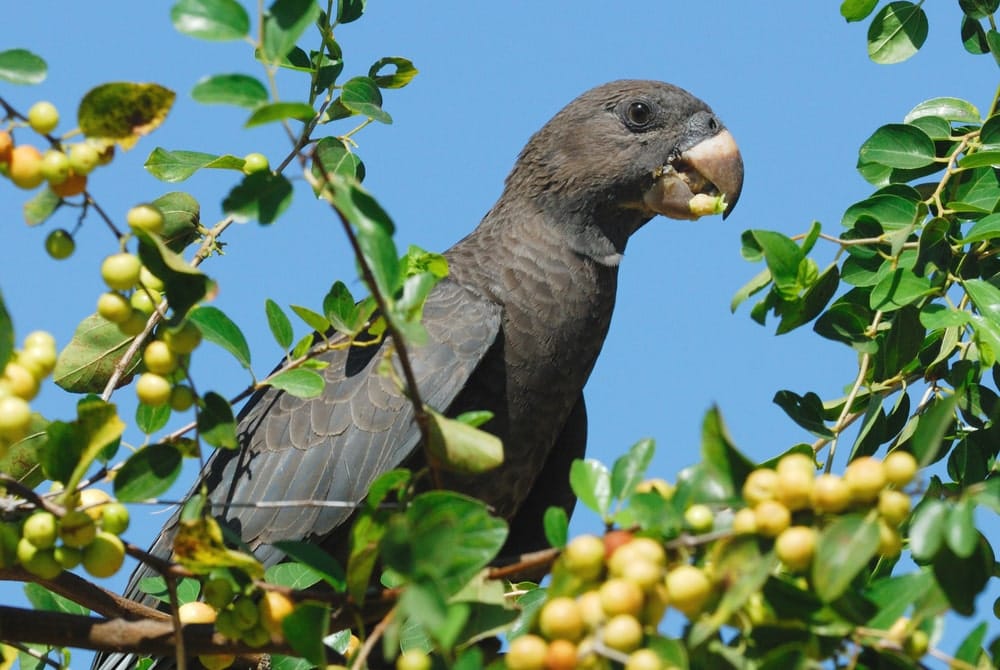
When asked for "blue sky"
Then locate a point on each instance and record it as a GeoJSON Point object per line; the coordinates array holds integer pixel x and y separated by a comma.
{"type": "Point", "coordinates": [791, 80]}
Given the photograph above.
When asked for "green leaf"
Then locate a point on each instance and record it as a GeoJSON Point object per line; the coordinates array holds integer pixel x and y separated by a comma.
{"type": "Point", "coordinates": [970, 650]}
{"type": "Point", "coordinates": [404, 72]}
{"type": "Point", "coordinates": [263, 196]}
{"type": "Point", "coordinates": [894, 595]}
{"type": "Point", "coordinates": [20, 66]}
{"type": "Point", "coordinates": [22, 459]}
{"type": "Point", "coordinates": [986, 228]}
{"type": "Point", "coordinates": [899, 288]}
{"type": "Point", "coordinates": [896, 32]}
{"type": "Point", "coordinates": [279, 111]}
{"type": "Point", "coordinates": [927, 528]}
{"type": "Point", "coordinates": [181, 219]}
{"type": "Point", "coordinates": [978, 9]}
{"type": "Point", "coordinates": [759, 282]}
{"type": "Point", "coordinates": [963, 579]}
{"type": "Point", "coordinates": [898, 145]}
{"type": "Point", "coordinates": [279, 324]}
{"type": "Point", "coordinates": [458, 447]}
{"type": "Point", "coordinates": [230, 89]}
{"type": "Point", "coordinates": [936, 316]}
{"type": "Point", "coordinates": [43, 599]}
{"type": "Point", "coordinates": [350, 10]}
{"type": "Point", "coordinates": [340, 310]}
{"type": "Point", "coordinates": [444, 538]}
{"type": "Point", "coordinates": [960, 533]}
{"type": "Point", "coordinates": [856, 10]}
{"type": "Point", "coordinates": [176, 166]}
{"type": "Point", "coordinates": [299, 382]}
{"type": "Point", "coordinates": [811, 303]}
{"type": "Point", "coordinates": [6, 334]}
{"type": "Point", "coordinates": [935, 127]}
{"type": "Point", "coordinates": [151, 419]}
{"type": "Point", "coordinates": [720, 455]}
{"type": "Point", "coordinates": [807, 411]}
{"type": "Point", "coordinates": [216, 424]}
{"type": "Point", "coordinates": [989, 134]}
{"type": "Point", "coordinates": [891, 212]}
{"type": "Point", "coordinates": [374, 231]}
{"type": "Point", "coordinates": [843, 549]}
{"type": "Point", "coordinates": [332, 155]}
{"type": "Point", "coordinates": [41, 206]}
{"type": "Point", "coordinates": [124, 111]}
{"type": "Point", "coordinates": [187, 589]}
{"type": "Point", "coordinates": [72, 447]}
{"type": "Point", "coordinates": [86, 364]}
{"type": "Point", "coordinates": [185, 285]}
{"type": "Point", "coordinates": [314, 320]}
{"type": "Point", "coordinates": [292, 575]}
{"type": "Point", "coordinates": [148, 473]}
{"type": "Point", "coordinates": [629, 470]}
{"type": "Point", "coordinates": [556, 524]}
{"type": "Point", "coordinates": [932, 426]}
{"type": "Point", "coordinates": [305, 628]}
{"type": "Point", "coordinates": [980, 159]}
{"type": "Point", "coordinates": [366, 536]}
{"type": "Point", "coordinates": [315, 558]}
{"type": "Point", "coordinates": [783, 257]}
{"type": "Point", "coordinates": [361, 96]}
{"type": "Point", "coordinates": [591, 482]}
{"type": "Point", "coordinates": [220, 329]}
{"type": "Point", "coordinates": [284, 23]}
{"type": "Point", "coordinates": [986, 298]}
{"type": "Point", "coordinates": [215, 20]}
{"type": "Point", "coordinates": [950, 109]}
{"type": "Point", "coordinates": [974, 37]}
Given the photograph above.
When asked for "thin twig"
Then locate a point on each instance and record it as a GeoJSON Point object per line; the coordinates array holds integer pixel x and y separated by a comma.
{"type": "Point", "coordinates": [366, 648]}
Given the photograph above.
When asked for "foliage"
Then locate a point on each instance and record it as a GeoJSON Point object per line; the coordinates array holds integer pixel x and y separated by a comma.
{"type": "Point", "coordinates": [913, 289]}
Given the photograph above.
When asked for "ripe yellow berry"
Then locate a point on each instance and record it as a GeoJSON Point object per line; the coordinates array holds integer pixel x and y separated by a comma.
{"type": "Point", "coordinates": [77, 529]}
{"type": "Point", "coordinates": [19, 380]}
{"type": "Point", "coordinates": [15, 418]}
{"type": "Point", "coordinates": [900, 468]}
{"type": "Point", "coordinates": [152, 389]}
{"type": "Point", "coordinates": [745, 522]}
{"type": "Point", "coordinates": [689, 589]}
{"type": "Point", "coordinates": [43, 117]}
{"type": "Point", "coordinates": [760, 485]}
{"type": "Point", "coordinates": [795, 487]}
{"type": "Point", "coordinates": [699, 518]}
{"type": "Point", "coordinates": [114, 307]}
{"type": "Point", "coordinates": [830, 494]}
{"type": "Point", "coordinates": [772, 517]}
{"type": "Point", "coordinates": [104, 555]}
{"type": "Point", "coordinates": [796, 546]}
{"type": "Point", "coordinates": [865, 477]}
{"type": "Point", "coordinates": [661, 486]}
{"type": "Point", "coordinates": [272, 610]}
{"type": "Point", "coordinates": [526, 652]}
{"type": "Point", "coordinates": [55, 166]}
{"type": "Point", "coordinates": [121, 271]}
{"type": "Point", "coordinates": [894, 506]}
{"type": "Point", "coordinates": [584, 557]}
{"type": "Point", "coordinates": [622, 632]}
{"type": "Point", "coordinates": [145, 217]}
{"type": "Point", "coordinates": [560, 618]}
{"type": "Point", "coordinates": [159, 358]}
{"type": "Point", "coordinates": [644, 659]}
{"type": "Point", "coordinates": [25, 166]}
{"type": "Point", "coordinates": [621, 596]}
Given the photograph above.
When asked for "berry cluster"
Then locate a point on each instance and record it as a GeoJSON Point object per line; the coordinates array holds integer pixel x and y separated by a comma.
{"type": "Point", "coordinates": [252, 618]}
{"type": "Point", "coordinates": [621, 586]}
{"type": "Point", "coordinates": [21, 379]}
{"type": "Point", "coordinates": [786, 503]}
{"type": "Point", "coordinates": [45, 544]}
{"type": "Point", "coordinates": [134, 294]}
{"type": "Point", "coordinates": [64, 167]}
{"type": "Point", "coordinates": [628, 585]}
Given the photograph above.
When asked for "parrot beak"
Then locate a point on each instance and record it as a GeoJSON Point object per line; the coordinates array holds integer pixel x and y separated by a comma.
{"type": "Point", "coordinates": [705, 179]}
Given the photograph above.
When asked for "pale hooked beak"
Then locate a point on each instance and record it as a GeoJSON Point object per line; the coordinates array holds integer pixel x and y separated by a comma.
{"type": "Point", "coordinates": [705, 179]}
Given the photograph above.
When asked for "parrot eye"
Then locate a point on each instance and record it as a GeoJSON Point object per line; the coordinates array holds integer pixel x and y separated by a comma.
{"type": "Point", "coordinates": [638, 115]}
